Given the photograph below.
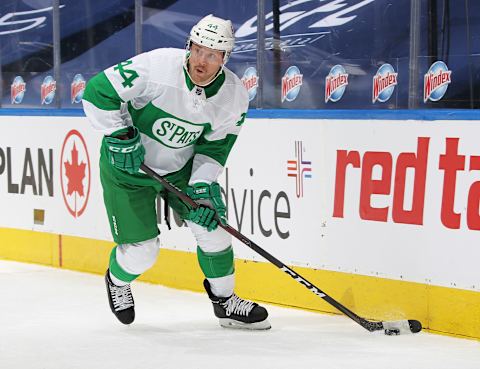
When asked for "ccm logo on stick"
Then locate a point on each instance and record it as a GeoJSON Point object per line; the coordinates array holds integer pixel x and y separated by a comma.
{"type": "Point", "coordinates": [307, 284]}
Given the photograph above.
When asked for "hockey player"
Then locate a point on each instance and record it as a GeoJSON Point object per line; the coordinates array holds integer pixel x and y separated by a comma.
{"type": "Point", "coordinates": [180, 112]}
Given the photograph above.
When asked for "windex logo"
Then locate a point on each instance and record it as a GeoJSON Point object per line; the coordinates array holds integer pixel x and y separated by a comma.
{"type": "Point", "coordinates": [17, 90]}
{"type": "Point", "coordinates": [291, 83]}
{"type": "Point", "coordinates": [47, 90]}
{"type": "Point", "coordinates": [250, 81]}
{"type": "Point", "coordinates": [436, 81]}
{"type": "Point", "coordinates": [324, 15]}
{"type": "Point", "coordinates": [77, 88]}
{"type": "Point", "coordinates": [384, 83]}
{"type": "Point", "coordinates": [335, 83]}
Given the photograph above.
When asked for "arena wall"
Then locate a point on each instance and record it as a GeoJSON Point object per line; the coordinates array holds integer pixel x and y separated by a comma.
{"type": "Point", "coordinates": [382, 214]}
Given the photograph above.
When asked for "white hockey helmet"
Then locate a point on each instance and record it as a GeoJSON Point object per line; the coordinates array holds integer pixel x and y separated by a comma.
{"type": "Point", "coordinates": [214, 33]}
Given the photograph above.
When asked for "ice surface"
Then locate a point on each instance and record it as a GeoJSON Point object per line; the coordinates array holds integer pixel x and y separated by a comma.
{"type": "Point", "coordinates": [58, 319]}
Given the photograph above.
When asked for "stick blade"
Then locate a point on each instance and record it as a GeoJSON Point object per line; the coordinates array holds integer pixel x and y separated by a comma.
{"type": "Point", "coordinates": [397, 327]}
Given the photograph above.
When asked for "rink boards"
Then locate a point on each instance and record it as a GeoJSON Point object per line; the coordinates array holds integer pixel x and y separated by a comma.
{"type": "Point", "coordinates": [381, 214]}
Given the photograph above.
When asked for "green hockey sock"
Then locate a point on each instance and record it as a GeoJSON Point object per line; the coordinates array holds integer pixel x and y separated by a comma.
{"type": "Point", "coordinates": [216, 264]}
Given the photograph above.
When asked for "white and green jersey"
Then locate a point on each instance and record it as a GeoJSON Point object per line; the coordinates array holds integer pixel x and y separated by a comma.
{"type": "Point", "coordinates": [177, 119]}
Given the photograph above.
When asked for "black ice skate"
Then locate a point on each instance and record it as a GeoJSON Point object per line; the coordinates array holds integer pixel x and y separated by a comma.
{"type": "Point", "coordinates": [121, 300]}
{"type": "Point", "coordinates": [234, 312]}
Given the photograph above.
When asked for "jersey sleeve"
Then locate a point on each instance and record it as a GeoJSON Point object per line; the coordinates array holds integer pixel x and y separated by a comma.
{"type": "Point", "coordinates": [213, 148]}
{"type": "Point", "coordinates": [106, 94]}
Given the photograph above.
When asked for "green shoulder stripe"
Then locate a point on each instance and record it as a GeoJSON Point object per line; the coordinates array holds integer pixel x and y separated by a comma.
{"type": "Point", "coordinates": [100, 92]}
{"type": "Point", "coordinates": [218, 149]}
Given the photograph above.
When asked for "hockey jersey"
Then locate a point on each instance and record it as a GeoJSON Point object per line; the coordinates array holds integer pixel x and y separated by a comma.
{"type": "Point", "coordinates": [177, 119]}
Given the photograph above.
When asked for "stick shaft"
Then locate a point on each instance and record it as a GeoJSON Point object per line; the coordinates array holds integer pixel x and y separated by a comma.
{"type": "Point", "coordinates": [371, 326]}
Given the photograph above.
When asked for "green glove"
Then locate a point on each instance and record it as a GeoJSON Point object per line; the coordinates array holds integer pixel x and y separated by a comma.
{"type": "Point", "coordinates": [212, 195]}
{"type": "Point", "coordinates": [204, 216]}
{"type": "Point", "coordinates": [125, 150]}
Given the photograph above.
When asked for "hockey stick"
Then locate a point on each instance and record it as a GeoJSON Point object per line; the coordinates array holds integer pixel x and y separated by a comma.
{"type": "Point", "coordinates": [390, 327]}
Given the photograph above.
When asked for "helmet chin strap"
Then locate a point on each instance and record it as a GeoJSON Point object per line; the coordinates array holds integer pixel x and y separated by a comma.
{"type": "Point", "coordinates": [204, 84]}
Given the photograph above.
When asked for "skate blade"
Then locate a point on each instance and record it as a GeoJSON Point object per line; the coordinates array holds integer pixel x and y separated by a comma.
{"type": "Point", "coordinates": [234, 324]}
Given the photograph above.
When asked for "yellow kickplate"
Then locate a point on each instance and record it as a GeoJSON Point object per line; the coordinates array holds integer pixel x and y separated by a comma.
{"type": "Point", "coordinates": [440, 309]}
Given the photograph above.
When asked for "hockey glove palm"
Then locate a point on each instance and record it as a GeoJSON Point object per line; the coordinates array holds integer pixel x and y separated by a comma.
{"type": "Point", "coordinates": [209, 194]}
{"type": "Point", "coordinates": [125, 154]}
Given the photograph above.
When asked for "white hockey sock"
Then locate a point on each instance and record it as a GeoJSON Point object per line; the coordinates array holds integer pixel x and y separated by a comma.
{"type": "Point", "coordinates": [117, 282]}
{"type": "Point", "coordinates": [222, 286]}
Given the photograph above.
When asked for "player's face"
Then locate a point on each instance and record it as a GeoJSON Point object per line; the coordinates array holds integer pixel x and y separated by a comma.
{"type": "Point", "coordinates": [203, 63]}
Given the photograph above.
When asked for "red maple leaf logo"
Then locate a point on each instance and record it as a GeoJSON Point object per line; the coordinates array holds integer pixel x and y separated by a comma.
{"type": "Point", "coordinates": [75, 173]}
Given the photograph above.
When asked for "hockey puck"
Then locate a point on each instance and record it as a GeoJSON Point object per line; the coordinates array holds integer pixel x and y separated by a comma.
{"type": "Point", "coordinates": [392, 332]}
{"type": "Point", "coordinates": [415, 326]}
